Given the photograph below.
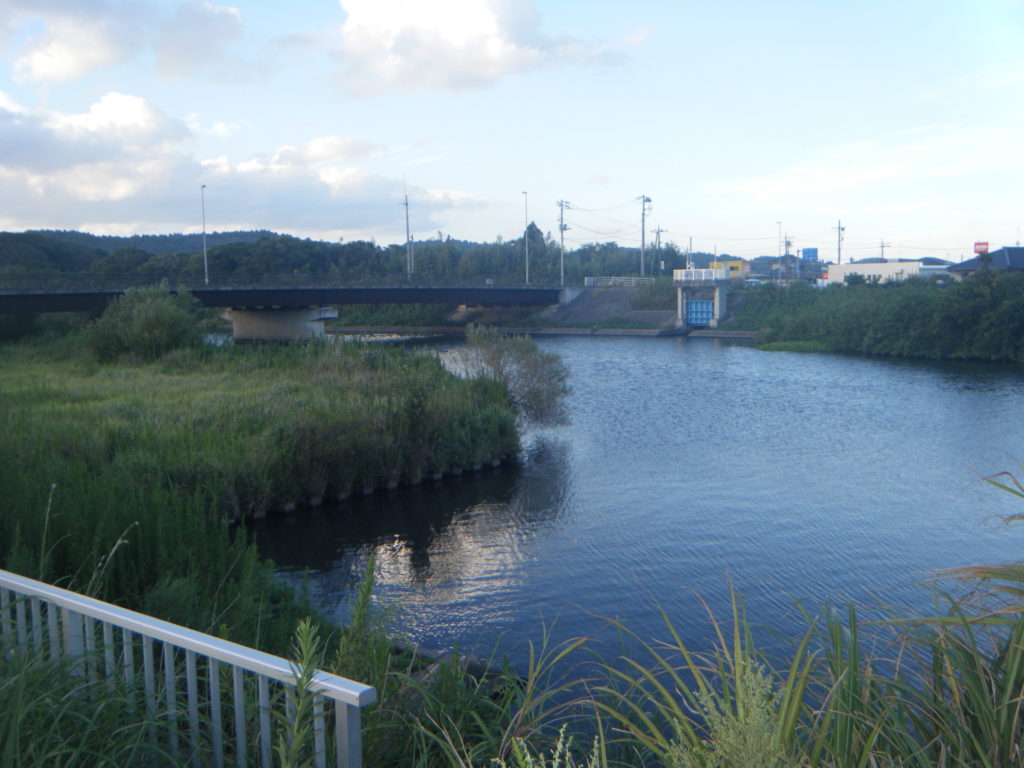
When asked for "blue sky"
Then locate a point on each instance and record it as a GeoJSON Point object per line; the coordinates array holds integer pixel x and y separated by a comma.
{"type": "Point", "coordinates": [903, 119]}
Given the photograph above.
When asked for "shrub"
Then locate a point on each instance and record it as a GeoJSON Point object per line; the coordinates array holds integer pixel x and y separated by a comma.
{"type": "Point", "coordinates": [536, 382]}
{"type": "Point", "coordinates": [145, 323]}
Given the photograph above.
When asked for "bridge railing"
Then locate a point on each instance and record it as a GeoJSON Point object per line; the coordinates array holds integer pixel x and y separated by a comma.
{"type": "Point", "coordinates": [699, 275]}
{"type": "Point", "coordinates": [188, 683]}
{"type": "Point", "coordinates": [617, 282]}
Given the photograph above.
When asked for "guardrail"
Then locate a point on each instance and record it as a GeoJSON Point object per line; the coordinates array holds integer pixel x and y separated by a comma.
{"type": "Point", "coordinates": [617, 282]}
{"type": "Point", "coordinates": [108, 640]}
{"type": "Point", "coordinates": [699, 275]}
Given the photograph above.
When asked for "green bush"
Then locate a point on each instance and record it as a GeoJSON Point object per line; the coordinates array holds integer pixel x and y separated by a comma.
{"type": "Point", "coordinates": [661, 294]}
{"type": "Point", "coordinates": [145, 323]}
{"type": "Point", "coordinates": [980, 318]}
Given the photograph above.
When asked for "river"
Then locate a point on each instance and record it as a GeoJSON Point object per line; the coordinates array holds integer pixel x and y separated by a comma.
{"type": "Point", "coordinates": [688, 467]}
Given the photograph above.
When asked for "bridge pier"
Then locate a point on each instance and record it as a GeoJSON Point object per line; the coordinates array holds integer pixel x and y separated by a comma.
{"type": "Point", "coordinates": [278, 323]}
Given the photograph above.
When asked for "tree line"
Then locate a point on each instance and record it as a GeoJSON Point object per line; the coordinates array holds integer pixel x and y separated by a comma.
{"type": "Point", "coordinates": [980, 318]}
{"type": "Point", "coordinates": [179, 258]}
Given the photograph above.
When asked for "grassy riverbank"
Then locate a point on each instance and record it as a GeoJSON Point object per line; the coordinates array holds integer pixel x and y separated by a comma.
{"type": "Point", "coordinates": [119, 479]}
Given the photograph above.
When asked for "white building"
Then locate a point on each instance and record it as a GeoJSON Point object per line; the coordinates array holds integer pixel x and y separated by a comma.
{"type": "Point", "coordinates": [874, 272]}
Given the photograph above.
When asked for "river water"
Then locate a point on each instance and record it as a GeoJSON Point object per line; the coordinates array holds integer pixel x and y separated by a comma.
{"type": "Point", "coordinates": [688, 467]}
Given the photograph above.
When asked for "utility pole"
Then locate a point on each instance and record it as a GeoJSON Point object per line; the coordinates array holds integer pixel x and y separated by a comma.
{"type": "Point", "coordinates": [562, 205]}
{"type": "Point", "coordinates": [206, 265]}
{"type": "Point", "coordinates": [644, 201]}
{"type": "Point", "coordinates": [883, 245]}
{"type": "Point", "coordinates": [409, 263]}
{"type": "Point", "coordinates": [780, 249]}
{"type": "Point", "coordinates": [839, 242]}
{"type": "Point", "coordinates": [657, 247]}
{"type": "Point", "coordinates": [689, 254]}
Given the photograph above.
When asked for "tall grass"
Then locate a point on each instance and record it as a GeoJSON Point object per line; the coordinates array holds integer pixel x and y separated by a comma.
{"type": "Point", "coordinates": [52, 718]}
{"type": "Point", "coordinates": [121, 479]}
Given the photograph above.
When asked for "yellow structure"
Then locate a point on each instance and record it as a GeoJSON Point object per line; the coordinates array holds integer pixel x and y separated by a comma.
{"type": "Point", "coordinates": [736, 268]}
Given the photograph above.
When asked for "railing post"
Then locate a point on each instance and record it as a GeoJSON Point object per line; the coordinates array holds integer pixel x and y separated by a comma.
{"type": "Point", "coordinates": [5, 612]}
{"type": "Point", "coordinates": [348, 735]}
{"type": "Point", "coordinates": [74, 635]}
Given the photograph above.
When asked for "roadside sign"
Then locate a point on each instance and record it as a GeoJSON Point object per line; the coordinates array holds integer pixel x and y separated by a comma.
{"type": "Point", "coordinates": [981, 247]}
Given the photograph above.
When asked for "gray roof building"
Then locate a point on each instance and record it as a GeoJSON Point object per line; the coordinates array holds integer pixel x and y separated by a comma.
{"type": "Point", "coordinates": [1009, 258]}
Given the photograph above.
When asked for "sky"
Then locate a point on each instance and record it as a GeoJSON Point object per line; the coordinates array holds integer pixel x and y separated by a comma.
{"type": "Point", "coordinates": [744, 121]}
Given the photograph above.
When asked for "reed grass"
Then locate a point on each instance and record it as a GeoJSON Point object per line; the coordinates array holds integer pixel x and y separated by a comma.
{"type": "Point", "coordinates": [121, 479]}
{"type": "Point", "coordinates": [52, 718]}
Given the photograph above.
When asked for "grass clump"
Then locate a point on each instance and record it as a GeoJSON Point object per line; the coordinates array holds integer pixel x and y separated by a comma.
{"type": "Point", "coordinates": [794, 346]}
{"type": "Point", "coordinates": [534, 382]}
{"type": "Point", "coordinates": [51, 717]}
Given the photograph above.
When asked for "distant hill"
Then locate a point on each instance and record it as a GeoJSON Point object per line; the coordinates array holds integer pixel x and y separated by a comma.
{"type": "Point", "coordinates": [154, 244]}
{"type": "Point", "coordinates": [32, 253]}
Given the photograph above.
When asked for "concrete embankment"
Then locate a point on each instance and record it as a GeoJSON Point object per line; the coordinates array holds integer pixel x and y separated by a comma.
{"type": "Point", "coordinates": [717, 333]}
{"type": "Point", "coordinates": [405, 333]}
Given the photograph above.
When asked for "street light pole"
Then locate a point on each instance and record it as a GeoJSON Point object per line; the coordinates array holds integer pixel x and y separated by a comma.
{"type": "Point", "coordinates": [526, 235]}
{"type": "Point", "coordinates": [206, 265]}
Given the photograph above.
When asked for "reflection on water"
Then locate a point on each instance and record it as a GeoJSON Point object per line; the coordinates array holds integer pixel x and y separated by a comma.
{"type": "Point", "coordinates": [689, 466]}
{"type": "Point", "coordinates": [451, 544]}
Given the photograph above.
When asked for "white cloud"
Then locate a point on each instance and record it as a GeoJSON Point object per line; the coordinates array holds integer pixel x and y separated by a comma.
{"type": "Point", "coordinates": [325, 149]}
{"type": "Point", "coordinates": [130, 121]}
{"type": "Point", "coordinates": [75, 38]}
{"type": "Point", "coordinates": [196, 39]}
{"type": "Point", "coordinates": [446, 44]}
{"type": "Point", "coordinates": [122, 165]}
{"type": "Point", "coordinates": [218, 128]}
{"type": "Point", "coordinates": [118, 128]}
{"type": "Point", "coordinates": [223, 130]}
{"type": "Point", "coordinates": [65, 40]}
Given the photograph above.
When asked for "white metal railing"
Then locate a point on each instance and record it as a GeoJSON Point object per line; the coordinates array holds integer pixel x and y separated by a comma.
{"type": "Point", "coordinates": [108, 640]}
{"type": "Point", "coordinates": [617, 282]}
{"type": "Point", "coordinates": [694, 275]}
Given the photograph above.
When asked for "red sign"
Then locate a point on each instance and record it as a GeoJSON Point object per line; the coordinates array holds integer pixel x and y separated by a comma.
{"type": "Point", "coordinates": [981, 247]}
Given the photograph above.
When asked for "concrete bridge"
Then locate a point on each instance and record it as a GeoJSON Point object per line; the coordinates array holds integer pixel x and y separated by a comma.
{"type": "Point", "coordinates": [281, 312]}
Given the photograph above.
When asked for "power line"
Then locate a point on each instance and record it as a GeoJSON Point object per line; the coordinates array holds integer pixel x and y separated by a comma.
{"type": "Point", "coordinates": [605, 233]}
